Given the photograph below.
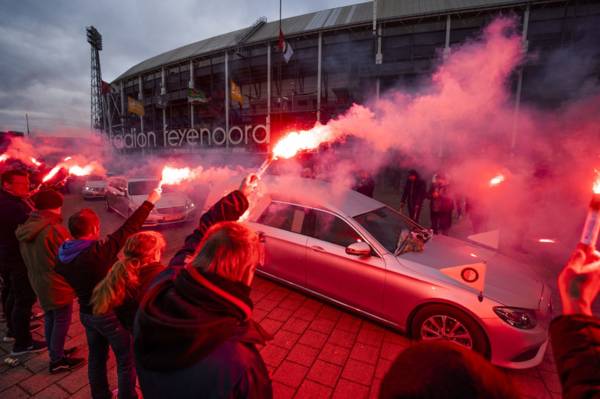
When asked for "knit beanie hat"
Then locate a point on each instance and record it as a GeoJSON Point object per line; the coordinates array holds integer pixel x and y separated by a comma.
{"type": "Point", "coordinates": [48, 199]}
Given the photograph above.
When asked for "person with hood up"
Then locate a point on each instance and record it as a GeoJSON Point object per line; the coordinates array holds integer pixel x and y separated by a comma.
{"type": "Point", "coordinates": [39, 239]}
{"type": "Point", "coordinates": [413, 195]}
{"type": "Point", "coordinates": [15, 208]}
{"type": "Point", "coordinates": [84, 261]}
{"type": "Point", "coordinates": [129, 278]}
{"type": "Point", "coordinates": [194, 336]}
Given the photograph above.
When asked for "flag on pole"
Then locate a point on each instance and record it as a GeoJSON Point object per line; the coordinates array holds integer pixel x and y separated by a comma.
{"type": "Point", "coordinates": [286, 49]}
{"type": "Point", "coordinates": [236, 93]}
{"type": "Point", "coordinates": [196, 96]}
{"type": "Point", "coordinates": [135, 106]}
{"type": "Point", "coordinates": [105, 88]}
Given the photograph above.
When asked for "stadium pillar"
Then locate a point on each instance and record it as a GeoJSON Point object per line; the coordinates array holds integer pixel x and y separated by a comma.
{"type": "Point", "coordinates": [123, 113]}
{"type": "Point", "coordinates": [319, 58]}
{"type": "Point", "coordinates": [191, 86]}
{"type": "Point", "coordinates": [163, 92]}
{"type": "Point", "coordinates": [525, 44]}
{"type": "Point", "coordinates": [268, 87]}
{"type": "Point", "coordinates": [141, 99]}
{"type": "Point", "coordinates": [226, 98]}
{"type": "Point", "coordinates": [447, 44]}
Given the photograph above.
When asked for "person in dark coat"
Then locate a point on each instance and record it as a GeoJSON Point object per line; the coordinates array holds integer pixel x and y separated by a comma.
{"type": "Point", "coordinates": [130, 277]}
{"type": "Point", "coordinates": [14, 210]}
{"type": "Point", "coordinates": [84, 262]}
{"type": "Point", "coordinates": [444, 370]}
{"type": "Point", "coordinates": [194, 335]}
{"type": "Point", "coordinates": [39, 239]}
{"type": "Point", "coordinates": [441, 205]}
{"type": "Point", "coordinates": [365, 184]}
{"type": "Point", "coordinates": [414, 194]}
{"type": "Point", "coordinates": [575, 335]}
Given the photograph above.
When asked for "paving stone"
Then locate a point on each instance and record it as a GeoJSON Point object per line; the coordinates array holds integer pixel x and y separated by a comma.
{"type": "Point", "coordinates": [290, 374]}
{"type": "Point", "coordinates": [305, 313]}
{"type": "Point", "coordinates": [334, 354]}
{"type": "Point", "coordinates": [312, 390]}
{"type": "Point", "coordinates": [330, 313]}
{"type": "Point", "coordinates": [296, 325]}
{"type": "Point", "coordinates": [370, 336]}
{"type": "Point", "coordinates": [349, 323]}
{"type": "Point", "coordinates": [14, 392]}
{"type": "Point", "coordinates": [12, 376]}
{"type": "Point", "coordinates": [322, 324]}
{"type": "Point", "coordinates": [258, 315]}
{"type": "Point", "coordinates": [39, 381]}
{"type": "Point", "coordinates": [277, 294]}
{"type": "Point", "coordinates": [382, 368]}
{"type": "Point", "coordinates": [266, 304]}
{"type": "Point", "coordinates": [358, 372]}
{"type": "Point", "coordinates": [342, 338]}
{"type": "Point", "coordinates": [273, 355]}
{"type": "Point", "coordinates": [325, 373]}
{"type": "Point", "coordinates": [303, 354]}
{"type": "Point", "coordinates": [291, 304]}
{"type": "Point", "coordinates": [313, 338]}
{"type": "Point", "coordinates": [279, 314]}
{"type": "Point", "coordinates": [53, 391]}
{"type": "Point", "coordinates": [375, 388]}
{"type": "Point", "coordinates": [286, 339]}
{"type": "Point", "coordinates": [365, 353]}
{"type": "Point", "coordinates": [270, 325]}
{"type": "Point", "coordinates": [348, 389]}
{"type": "Point", "coordinates": [75, 380]}
{"type": "Point", "coordinates": [281, 391]}
{"type": "Point", "coordinates": [390, 351]}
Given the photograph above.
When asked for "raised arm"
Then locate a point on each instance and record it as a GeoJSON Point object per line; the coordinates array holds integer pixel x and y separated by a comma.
{"type": "Point", "coordinates": [228, 208]}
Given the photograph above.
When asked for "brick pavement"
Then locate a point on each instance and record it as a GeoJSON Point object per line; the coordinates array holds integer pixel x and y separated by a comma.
{"type": "Point", "coordinates": [318, 351]}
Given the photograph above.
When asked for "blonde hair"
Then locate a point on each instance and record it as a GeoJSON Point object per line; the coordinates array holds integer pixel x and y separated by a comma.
{"type": "Point", "coordinates": [140, 250]}
{"type": "Point", "coordinates": [230, 250]}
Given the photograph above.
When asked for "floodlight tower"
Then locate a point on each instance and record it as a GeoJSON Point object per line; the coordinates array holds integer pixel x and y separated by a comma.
{"type": "Point", "coordinates": [94, 38]}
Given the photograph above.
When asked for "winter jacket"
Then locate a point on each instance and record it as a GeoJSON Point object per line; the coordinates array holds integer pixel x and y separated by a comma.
{"type": "Point", "coordinates": [39, 239]}
{"type": "Point", "coordinates": [133, 297]}
{"type": "Point", "coordinates": [13, 212]}
{"type": "Point", "coordinates": [576, 346]}
{"type": "Point", "coordinates": [193, 335]}
{"type": "Point", "coordinates": [441, 201]}
{"type": "Point", "coordinates": [84, 263]}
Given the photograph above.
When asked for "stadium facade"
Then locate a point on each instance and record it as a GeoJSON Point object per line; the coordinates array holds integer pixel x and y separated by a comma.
{"type": "Point", "coordinates": [239, 90]}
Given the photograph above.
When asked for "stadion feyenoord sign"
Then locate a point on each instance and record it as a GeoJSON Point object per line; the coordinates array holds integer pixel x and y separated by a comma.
{"type": "Point", "coordinates": [204, 137]}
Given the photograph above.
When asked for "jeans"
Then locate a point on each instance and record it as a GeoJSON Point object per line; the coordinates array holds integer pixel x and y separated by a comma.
{"type": "Point", "coordinates": [102, 331]}
{"type": "Point", "coordinates": [21, 298]}
{"type": "Point", "coordinates": [56, 324]}
{"type": "Point", "coordinates": [5, 295]}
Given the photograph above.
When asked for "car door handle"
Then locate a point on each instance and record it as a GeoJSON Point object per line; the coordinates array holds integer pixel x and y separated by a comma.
{"type": "Point", "coordinates": [317, 248]}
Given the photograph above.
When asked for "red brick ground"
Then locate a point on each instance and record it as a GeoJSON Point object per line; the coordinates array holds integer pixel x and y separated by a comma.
{"type": "Point", "coordinates": [318, 351]}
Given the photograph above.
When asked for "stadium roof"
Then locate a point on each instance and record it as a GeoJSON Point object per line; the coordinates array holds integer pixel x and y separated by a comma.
{"type": "Point", "coordinates": [356, 14]}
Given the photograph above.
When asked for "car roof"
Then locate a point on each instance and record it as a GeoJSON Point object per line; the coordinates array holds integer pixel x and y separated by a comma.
{"type": "Point", "coordinates": [320, 194]}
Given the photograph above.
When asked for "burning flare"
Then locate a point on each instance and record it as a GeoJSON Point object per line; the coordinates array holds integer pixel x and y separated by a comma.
{"type": "Point", "coordinates": [494, 181]}
{"type": "Point", "coordinates": [35, 161]}
{"type": "Point", "coordinates": [77, 170]}
{"type": "Point", "coordinates": [3, 157]}
{"type": "Point", "coordinates": [172, 175]}
{"type": "Point", "coordinates": [294, 142]}
{"type": "Point", "coordinates": [596, 186]}
{"type": "Point", "coordinates": [52, 173]}
{"type": "Point", "coordinates": [547, 241]}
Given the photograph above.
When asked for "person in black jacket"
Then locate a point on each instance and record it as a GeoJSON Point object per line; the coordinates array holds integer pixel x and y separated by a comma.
{"type": "Point", "coordinates": [129, 278]}
{"type": "Point", "coordinates": [83, 262]}
{"type": "Point", "coordinates": [441, 205]}
{"type": "Point", "coordinates": [193, 335]}
{"type": "Point", "coordinates": [18, 296]}
{"type": "Point", "coordinates": [575, 335]}
{"type": "Point", "coordinates": [413, 195]}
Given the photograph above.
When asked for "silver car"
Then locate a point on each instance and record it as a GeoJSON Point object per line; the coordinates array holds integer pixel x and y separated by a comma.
{"type": "Point", "coordinates": [125, 195]}
{"type": "Point", "coordinates": [352, 250]}
{"type": "Point", "coordinates": [94, 187]}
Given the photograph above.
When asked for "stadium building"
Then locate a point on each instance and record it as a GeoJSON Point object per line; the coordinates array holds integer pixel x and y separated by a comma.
{"type": "Point", "coordinates": [242, 88]}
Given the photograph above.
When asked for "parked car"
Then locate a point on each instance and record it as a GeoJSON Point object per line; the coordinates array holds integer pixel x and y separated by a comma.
{"type": "Point", "coordinates": [352, 250]}
{"type": "Point", "coordinates": [94, 187]}
{"type": "Point", "coordinates": [124, 195]}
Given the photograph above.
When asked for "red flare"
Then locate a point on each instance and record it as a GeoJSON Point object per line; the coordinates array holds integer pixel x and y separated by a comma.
{"type": "Point", "coordinates": [547, 241]}
{"type": "Point", "coordinates": [3, 158]}
{"type": "Point", "coordinates": [52, 173]}
{"type": "Point", "coordinates": [303, 140]}
{"type": "Point", "coordinates": [172, 175]}
{"type": "Point", "coordinates": [596, 186]}
{"type": "Point", "coordinates": [77, 170]}
{"type": "Point", "coordinates": [494, 181]}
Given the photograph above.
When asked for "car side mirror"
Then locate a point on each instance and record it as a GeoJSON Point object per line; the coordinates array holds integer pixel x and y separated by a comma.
{"type": "Point", "coordinates": [359, 248]}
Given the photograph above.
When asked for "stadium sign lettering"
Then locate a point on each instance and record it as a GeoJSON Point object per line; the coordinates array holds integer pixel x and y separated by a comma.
{"type": "Point", "coordinates": [258, 134]}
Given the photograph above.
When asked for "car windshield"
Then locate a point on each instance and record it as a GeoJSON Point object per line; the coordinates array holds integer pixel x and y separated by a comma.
{"type": "Point", "coordinates": [144, 187]}
{"type": "Point", "coordinates": [385, 225]}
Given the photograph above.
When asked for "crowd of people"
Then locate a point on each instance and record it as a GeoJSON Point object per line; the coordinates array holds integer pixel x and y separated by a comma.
{"type": "Point", "coordinates": [185, 329]}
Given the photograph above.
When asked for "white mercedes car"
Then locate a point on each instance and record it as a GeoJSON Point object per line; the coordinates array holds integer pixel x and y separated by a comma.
{"type": "Point", "coordinates": [362, 255]}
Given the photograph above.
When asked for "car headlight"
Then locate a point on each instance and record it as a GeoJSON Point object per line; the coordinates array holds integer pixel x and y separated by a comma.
{"type": "Point", "coordinates": [86, 188]}
{"type": "Point", "coordinates": [189, 205]}
{"type": "Point", "coordinates": [517, 317]}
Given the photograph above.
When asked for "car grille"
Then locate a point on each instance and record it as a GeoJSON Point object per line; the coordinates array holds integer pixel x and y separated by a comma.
{"type": "Point", "coordinates": [171, 211]}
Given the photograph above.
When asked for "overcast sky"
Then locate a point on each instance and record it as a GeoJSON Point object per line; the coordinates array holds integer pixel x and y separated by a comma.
{"type": "Point", "coordinates": [45, 59]}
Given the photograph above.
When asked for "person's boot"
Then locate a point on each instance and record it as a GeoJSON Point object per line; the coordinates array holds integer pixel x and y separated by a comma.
{"type": "Point", "coordinates": [66, 364]}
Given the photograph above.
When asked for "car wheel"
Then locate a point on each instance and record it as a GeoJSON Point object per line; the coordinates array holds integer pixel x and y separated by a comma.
{"type": "Point", "coordinates": [444, 322]}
